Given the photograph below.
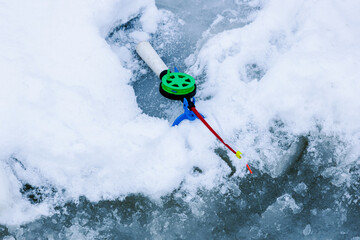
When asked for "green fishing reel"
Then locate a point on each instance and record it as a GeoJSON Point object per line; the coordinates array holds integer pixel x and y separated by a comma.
{"type": "Point", "coordinates": [177, 85]}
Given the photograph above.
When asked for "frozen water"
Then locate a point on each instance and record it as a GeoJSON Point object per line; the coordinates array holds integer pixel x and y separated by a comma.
{"type": "Point", "coordinates": [301, 188]}
{"type": "Point", "coordinates": [180, 32]}
{"type": "Point", "coordinates": [86, 149]}
{"type": "Point", "coordinates": [307, 230]}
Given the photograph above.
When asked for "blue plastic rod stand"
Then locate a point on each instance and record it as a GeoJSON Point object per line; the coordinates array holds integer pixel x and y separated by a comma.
{"type": "Point", "coordinates": [189, 115]}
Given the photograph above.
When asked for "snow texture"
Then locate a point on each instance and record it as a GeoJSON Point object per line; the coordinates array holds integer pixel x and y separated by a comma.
{"type": "Point", "coordinates": [71, 121]}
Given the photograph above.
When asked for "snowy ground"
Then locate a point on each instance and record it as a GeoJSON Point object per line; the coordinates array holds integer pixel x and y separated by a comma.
{"type": "Point", "coordinates": [86, 147]}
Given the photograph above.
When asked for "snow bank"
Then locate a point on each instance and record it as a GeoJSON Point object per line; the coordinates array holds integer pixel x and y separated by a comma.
{"type": "Point", "coordinates": [296, 62]}
{"type": "Point", "coordinates": [67, 111]}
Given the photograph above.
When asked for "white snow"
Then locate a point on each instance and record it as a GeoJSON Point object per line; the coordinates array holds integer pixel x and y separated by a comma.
{"type": "Point", "coordinates": [68, 114]}
{"type": "Point", "coordinates": [67, 111]}
{"type": "Point", "coordinates": [310, 53]}
{"type": "Point", "coordinates": [4, 190]}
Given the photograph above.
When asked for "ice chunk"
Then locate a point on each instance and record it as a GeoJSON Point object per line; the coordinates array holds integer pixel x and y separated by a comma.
{"type": "Point", "coordinates": [301, 188]}
{"type": "Point", "coordinates": [290, 157]}
{"type": "Point", "coordinates": [9, 238]}
{"type": "Point", "coordinates": [307, 230]}
{"type": "Point", "coordinates": [275, 218]}
{"type": "Point", "coordinates": [282, 205]}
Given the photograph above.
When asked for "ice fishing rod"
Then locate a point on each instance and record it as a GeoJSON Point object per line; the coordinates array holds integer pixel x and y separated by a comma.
{"type": "Point", "coordinates": [177, 86]}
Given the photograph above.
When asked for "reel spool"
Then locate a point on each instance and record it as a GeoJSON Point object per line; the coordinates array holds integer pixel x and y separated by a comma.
{"type": "Point", "coordinates": [177, 85]}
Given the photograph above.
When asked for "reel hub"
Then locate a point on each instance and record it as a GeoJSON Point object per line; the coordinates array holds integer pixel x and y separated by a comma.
{"type": "Point", "coordinates": [177, 85]}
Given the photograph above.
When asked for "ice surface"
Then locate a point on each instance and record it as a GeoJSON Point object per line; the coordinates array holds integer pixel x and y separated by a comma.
{"type": "Point", "coordinates": [307, 230]}
{"type": "Point", "coordinates": [85, 143]}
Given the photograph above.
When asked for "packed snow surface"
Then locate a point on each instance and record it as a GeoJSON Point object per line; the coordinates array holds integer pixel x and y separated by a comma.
{"type": "Point", "coordinates": [82, 125]}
